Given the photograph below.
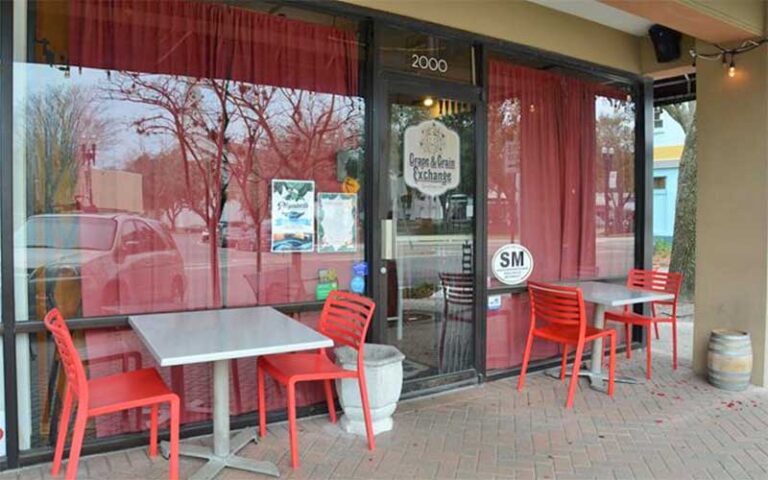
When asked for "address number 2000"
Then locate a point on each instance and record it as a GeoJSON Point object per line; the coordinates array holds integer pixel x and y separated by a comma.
{"type": "Point", "coordinates": [424, 62]}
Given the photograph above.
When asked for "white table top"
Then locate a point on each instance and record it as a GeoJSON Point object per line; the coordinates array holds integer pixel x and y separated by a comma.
{"type": "Point", "coordinates": [612, 295]}
{"type": "Point", "coordinates": [204, 336]}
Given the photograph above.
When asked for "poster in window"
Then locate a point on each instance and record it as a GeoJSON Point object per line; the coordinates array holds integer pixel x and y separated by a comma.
{"type": "Point", "coordinates": [293, 215]}
{"type": "Point", "coordinates": [337, 222]}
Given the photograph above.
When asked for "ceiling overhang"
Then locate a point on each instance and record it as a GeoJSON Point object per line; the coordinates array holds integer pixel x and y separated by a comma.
{"type": "Point", "coordinates": [711, 21]}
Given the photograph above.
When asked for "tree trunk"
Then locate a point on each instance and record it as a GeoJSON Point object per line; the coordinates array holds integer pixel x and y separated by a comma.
{"type": "Point", "coordinates": [684, 242]}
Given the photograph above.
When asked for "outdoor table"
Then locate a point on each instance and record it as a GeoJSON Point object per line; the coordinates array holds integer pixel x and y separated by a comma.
{"type": "Point", "coordinates": [219, 336]}
{"type": "Point", "coordinates": [604, 295]}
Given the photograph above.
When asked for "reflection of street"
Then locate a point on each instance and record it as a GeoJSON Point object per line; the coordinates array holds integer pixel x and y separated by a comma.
{"type": "Point", "coordinates": [282, 277]}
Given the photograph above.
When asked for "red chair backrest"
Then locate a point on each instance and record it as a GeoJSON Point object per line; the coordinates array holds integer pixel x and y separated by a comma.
{"type": "Point", "coordinates": [667, 282]}
{"type": "Point", "coordinates": [557, 305]}
{"type": "Point", "coordinates": [70, 358]}
{"type": "Point", "coordinates": [345, 318]}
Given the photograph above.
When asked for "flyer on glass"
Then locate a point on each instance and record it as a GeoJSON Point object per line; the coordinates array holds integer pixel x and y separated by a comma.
{"type": "Point", "coordinates": [293, 215]}
{"type": "Point", "coordinates": [337, 217]}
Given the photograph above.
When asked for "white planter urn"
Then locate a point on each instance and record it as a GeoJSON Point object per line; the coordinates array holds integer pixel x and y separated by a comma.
{"type": "Point", "coordinates": [384, 379]}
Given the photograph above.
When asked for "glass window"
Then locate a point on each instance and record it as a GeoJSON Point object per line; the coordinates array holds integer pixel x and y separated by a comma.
{"type": "Point", "coordinates": [659, 183]}
{"type": "Point", "coordinates": [560, 182]}
{"type": "Point", "coordinates": [148, 162]}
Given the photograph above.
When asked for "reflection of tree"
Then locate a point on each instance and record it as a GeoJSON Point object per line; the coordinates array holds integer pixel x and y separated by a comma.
{"type": "Point", "coordinates": [504, 166]}
{"type": "Point", "coordinates": [289, 134]}
{"type": "Point", "coordinates": [616, 149]}
{"type": "Point", "coordinates": [180, 107]}
{"type": "Point", "coordinates": [286, 133]}
{"type": "Point", "coordinates": [229, 131]}
{"type": "Point", "coordinates": [59, 120]}
{"type": "Point", "coordinates": [165, 192]}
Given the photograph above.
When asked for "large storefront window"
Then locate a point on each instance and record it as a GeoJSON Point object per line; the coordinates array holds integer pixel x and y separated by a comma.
{"type": "Point", "coordinates": [179, 155]}
{"type": "Point", "coordinates": [561, 183]}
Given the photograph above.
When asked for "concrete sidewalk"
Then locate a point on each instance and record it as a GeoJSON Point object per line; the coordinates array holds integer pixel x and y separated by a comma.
{"type": "Point", "coordinates": [675, 426]}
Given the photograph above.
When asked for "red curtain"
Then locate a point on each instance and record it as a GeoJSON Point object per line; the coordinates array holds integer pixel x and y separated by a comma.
{"type": "Point", "coordinates": [207, 40]}
{"type": "Point", "coordinates": [542, 169]}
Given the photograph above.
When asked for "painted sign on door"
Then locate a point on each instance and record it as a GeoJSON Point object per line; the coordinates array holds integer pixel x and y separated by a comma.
{"type": "Point", "coordinates": [431, 157]}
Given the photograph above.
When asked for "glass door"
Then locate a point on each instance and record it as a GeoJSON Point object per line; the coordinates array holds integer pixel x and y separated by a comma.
{"type": "Point", "coordinates": [427, 232]}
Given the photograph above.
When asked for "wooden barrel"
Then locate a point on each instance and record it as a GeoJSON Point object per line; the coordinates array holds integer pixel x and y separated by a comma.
{"type": "Point", "coordinates": [729, 359]}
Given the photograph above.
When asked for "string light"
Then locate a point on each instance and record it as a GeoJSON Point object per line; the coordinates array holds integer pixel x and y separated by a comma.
{"type": "Point", "coordinates": [725, 54]}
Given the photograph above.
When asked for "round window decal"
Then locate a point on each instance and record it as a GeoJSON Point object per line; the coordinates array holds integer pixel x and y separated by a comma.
{"type": "Point", "coordinates": [512, 264]}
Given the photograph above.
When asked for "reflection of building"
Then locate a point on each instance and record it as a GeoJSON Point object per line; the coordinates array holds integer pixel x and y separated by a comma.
{"type": "Point", "coordinates": [117, 190]}
{"type": "Point", "coordinates": [668, 147]}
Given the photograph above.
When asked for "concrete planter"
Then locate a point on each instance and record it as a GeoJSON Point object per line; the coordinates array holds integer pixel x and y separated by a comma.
{"type": "Point", "coordinates": [384, 379]}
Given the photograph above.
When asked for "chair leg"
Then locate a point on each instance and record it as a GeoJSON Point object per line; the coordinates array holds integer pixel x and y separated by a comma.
{"type": "Point", "coordinates": [648, 360]}
{"type": "Point", "coordinates": [366, 411]}
{"type": "Point", "coordinates": [66, 412]}
{"type": "Point", "coordinates": [262, 402]}
{"type": "Point", "coordinates": [173, 472]}
{"type": "Point", "coordinates": [628, 338]}
{"type": "Point", "coordinates": [292, 425]}
{"type": "Point", "coordinates": [674, 343]}
{"type": "Point", "coordinates": [612, 365]}
{"type": "Point", "coordinates": [564, 363]}
{"type": "Point", "coordinates": [236, 387]}
{"type": "Point", "coordinates": [153, 431]}
{"type": "Point", "coordinates": [601, 356]}
{"type": "Point", "coordinates": [656, 327]}
{"type": "Point", "coordinates": [77, 442]}
{"type": "Point", "coordinates": [329, 400]}
{"type": "Point", "coordinates": [526, 359]}
{"type": "Point", "coordinates": [574, 375]}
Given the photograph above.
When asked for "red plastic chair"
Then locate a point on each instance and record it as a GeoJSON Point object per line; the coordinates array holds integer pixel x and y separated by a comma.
{"type": "Point", "coordinates": [103, 395]}
{"type": "Point", "coordinates": [345, 319]}
{"type": "Point", "coordinates": [666, 282]}
{"type": "Point", "coordinates": [562, 318]}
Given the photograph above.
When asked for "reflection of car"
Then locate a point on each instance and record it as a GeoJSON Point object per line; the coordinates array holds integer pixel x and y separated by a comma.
{"type": "Point", "coordinates": [232, 234]}
{"type": "Point", "coordinates": [101, 264]}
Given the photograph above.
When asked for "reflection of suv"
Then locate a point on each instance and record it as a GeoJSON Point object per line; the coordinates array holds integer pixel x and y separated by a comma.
{"type": "Point", "coordinates": [101, 264]}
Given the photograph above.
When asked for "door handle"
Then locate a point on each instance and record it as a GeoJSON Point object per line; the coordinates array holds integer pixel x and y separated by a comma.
{"type": "Point", "coordinates": [388, 246]}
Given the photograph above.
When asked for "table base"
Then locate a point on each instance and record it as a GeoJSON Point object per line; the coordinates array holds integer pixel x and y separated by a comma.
{"type": "Point", "coordinates": [597, 380]}
{"type": "Point", "coordinates": [217, 463]}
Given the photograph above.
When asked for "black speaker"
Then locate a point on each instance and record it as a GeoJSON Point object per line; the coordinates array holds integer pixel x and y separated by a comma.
{"type": "Point", "coordinates": [666, 43]}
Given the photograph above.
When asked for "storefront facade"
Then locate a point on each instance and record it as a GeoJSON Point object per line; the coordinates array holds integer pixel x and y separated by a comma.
{"type": "Point", "coordinates": [183, 155]}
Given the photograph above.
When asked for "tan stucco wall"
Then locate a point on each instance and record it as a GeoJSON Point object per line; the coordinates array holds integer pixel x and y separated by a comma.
{"type": "Point", "coordinates": [745, 14]}
{"type": "Point", "coordinates": [732, 218]}
{"type": "Point", "coordinates": [524, 23]}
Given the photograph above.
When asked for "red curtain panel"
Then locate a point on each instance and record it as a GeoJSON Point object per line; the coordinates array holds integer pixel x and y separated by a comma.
{"type": "Point", "coordinates": [542, 150]}
{"type": "Point", "coordinates": [206, 40]}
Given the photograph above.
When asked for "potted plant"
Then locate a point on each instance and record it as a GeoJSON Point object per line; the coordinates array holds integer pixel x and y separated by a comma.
{"type": "Point", "coordinates": [384, 381]}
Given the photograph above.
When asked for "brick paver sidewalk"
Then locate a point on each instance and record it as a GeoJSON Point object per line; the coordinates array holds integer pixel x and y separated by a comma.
{"type": "Point", "coordinates": [675, 426]}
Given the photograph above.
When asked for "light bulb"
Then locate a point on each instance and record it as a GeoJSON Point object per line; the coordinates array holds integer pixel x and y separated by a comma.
{"type": "Point", "coordinates": [732, 70]}
{"type": "Point", "coordinates": [428, 102]}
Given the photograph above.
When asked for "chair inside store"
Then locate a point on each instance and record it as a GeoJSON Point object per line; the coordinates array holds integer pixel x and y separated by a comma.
{"type": "Point", "coordinates": [457, 325]}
